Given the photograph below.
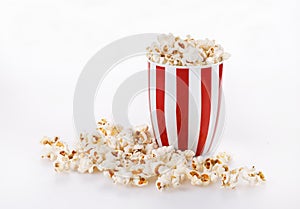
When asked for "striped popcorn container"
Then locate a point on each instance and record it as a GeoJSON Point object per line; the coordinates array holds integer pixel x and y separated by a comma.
{"type": "Point", "coordinates": [186, 106]}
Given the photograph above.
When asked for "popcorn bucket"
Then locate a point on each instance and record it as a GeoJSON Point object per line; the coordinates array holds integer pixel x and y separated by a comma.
{"type": "Point", "coordinates": [186, 106]}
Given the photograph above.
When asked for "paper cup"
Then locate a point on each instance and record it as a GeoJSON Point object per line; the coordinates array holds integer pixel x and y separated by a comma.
{"type": "Point", "coordinates": [186, 106]}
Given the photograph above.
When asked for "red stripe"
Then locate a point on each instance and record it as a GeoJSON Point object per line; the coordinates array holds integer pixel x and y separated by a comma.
{"type": "Point", "coordinates": [182, 107]}
{"type": "Point", "coordinates": [219, 103]}
{"type": "Point", "coordinates": [160, 104]}
{"type": "Point", "coordinates": [205, 108]}
{"type": "Point", "coordinates": [149, 100]}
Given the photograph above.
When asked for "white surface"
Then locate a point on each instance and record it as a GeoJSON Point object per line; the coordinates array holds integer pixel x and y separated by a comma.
{"type": "Point", "coordinates": [44, 46]}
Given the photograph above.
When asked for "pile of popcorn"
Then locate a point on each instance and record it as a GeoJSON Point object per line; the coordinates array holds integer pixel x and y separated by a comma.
{"type": "Point", "coordinates": [171, 50]}
{"type": "Point", "coordinates": [132, 157]}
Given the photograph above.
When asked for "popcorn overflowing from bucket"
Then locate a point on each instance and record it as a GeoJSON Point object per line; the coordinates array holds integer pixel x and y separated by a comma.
{"type": "Point", "coordinates": [171, 50]}
{"type": "Point", "coordinates": [132, 157]}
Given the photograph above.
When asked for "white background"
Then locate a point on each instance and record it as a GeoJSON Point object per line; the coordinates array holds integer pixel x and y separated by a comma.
{"type": "Point", "coordinates": [44, 45]}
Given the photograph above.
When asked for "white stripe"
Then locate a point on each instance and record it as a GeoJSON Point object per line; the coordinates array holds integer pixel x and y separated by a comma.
{"type": "Point", "coordinates": [220, 128]}
{"type": "Point", "coordinates": [170, 105]}
{"type": "Point", "coordinates": [194, 107]}
{"type": "Point", "coordinates": [214, 106]}
{"type": "Point", "coordinates": [153, 102]}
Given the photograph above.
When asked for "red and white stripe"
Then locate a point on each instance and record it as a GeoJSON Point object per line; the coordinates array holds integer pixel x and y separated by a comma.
{"type": "Point", "coordinates": [185, 106]}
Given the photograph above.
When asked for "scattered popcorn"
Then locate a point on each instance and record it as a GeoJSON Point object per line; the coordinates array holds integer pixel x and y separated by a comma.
{"type": "Point", "coordinates": [132, 157]}
{"type": "Point", "coordinates": [171, 50]}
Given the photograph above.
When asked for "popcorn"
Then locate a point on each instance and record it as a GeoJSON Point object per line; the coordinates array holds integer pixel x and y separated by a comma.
{"type": "Point", "coordinates": [122, 178]}
{"type": "Point", "coordinates": [199, 179]}
{"type": "Point", "coordinates": [139, 182]}
{"type": "Point", "coordinates": [132, 157]}
{"type": "Point", "coordinates": [171, 50]}
{"type": "Point", "coordinates": [224, 157]}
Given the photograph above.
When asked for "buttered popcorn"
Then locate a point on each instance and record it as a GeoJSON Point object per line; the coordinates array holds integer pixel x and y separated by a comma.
{"type": "Point", "coordinates": [132, 157]}
{"type": "Point", "coordinates": [171, 50]}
